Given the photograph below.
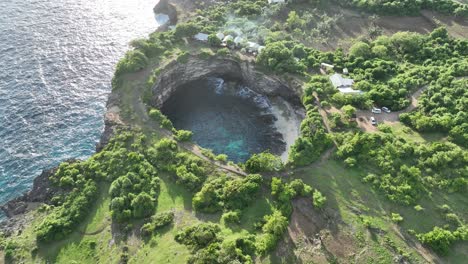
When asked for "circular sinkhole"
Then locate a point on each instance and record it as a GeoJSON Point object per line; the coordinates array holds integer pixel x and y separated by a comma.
{"type": "Point", "coordinates": [228, 117]}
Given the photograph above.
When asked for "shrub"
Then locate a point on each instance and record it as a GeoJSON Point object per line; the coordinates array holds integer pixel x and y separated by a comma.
{"type": "Point", "coordinates": [231, 217]}
{"type": "Point", "coordinates": [208, 153]}
{"type": "Point", "coordinates": [318, 199]}
{"type": "Point", "coordinates": [213, 40]}
{"type": "Point", "coordinates": [186, 30]}
{"type": "Point", "coordinates": [133, 61]}
{"type": "Point", "coordinates": [223, 52]}
{"type": "Point", "coordinates": [183, 57]}
{"type": "Point", "coordinates": [263, 162]}
{"type": "Point", "coordinates": [221, 157]}
{"type": "Point", "coordinates": [438, 239]}
{"type": "Point", "coordinates": [183, 135]}
{"type": "Point", "coordinates": [396, 218]}
{"type": "Point", "coordinates": [157, 222]}
{"type": "Point", "coordinates": [159, 117]}
{"type": "Point", "coordinates": [275, 224]}
{"type": "Point", "coordinates": [198, 236]}
{"type": "Point", "coordinates": [206, 53]}
{"type": "Point", "coordinates": [142, 205]}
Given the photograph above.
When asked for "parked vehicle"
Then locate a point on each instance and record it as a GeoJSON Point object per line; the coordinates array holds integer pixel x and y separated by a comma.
{"type": "Point", "coordinates": [386, 110]}
{"type": "Point", "coordinates": [376, 110]}
{"type": "Point", "coordinates": [373, 121]}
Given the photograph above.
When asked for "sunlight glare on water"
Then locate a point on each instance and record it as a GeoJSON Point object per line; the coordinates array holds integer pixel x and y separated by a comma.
{"type": "Point", "coordinates": [57, 60]}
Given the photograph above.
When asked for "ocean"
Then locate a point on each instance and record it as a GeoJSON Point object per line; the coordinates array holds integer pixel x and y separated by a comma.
{"type": "Point", "coordinates": [56, 62]}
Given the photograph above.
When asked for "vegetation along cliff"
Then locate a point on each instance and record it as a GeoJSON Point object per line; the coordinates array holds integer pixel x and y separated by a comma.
{"type": "Point", "coordinates": [378, 171]}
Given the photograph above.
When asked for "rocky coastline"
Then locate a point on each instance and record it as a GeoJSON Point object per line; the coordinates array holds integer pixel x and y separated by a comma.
{"type": "Point", "coordinates": [42, 190]}
{"type": "Point", "coordinates": [173, 76]}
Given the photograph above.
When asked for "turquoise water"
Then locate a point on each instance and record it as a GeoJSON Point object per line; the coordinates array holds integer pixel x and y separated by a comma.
{"type": "Point", "coordinates": [237, 123]}
{"type": "Point", "coordinates": [57, 60]}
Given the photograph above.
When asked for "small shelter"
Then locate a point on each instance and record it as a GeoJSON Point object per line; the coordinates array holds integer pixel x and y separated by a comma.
{"type": "Point", "coordinates": [220, 36]}
{"type": "Point", "coordinates": [238, 40]}
{"type": "Point", "coordinates": [252, 47]}
{"type": "Point", "coordinates": [227, 39]}
{"type": "Point", "coordinates": [344, 85]}
{"type": "Point", "coordinates": [326, 66]}
{"type": "Point", "coordinates": [276, 1]}
{"type": "Point", "coordinates": [201, 37]}
{"type": "Point", "coordinates": [339, 82]}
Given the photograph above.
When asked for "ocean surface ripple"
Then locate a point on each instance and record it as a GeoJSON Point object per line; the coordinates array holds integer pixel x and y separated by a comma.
{"type": "Point", "coordinates": [56, 62]}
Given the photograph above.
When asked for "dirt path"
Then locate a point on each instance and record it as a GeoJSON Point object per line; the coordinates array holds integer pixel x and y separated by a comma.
{"type": "Point", "coordinates": [143, 120]}
{"type": "Point", "coordinates": [324, 115]}
{"type": "Point", "coordinates": [363, 116]}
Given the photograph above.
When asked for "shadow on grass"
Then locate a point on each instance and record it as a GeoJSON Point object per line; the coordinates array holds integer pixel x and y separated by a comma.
{"type": "Point", "coordinates": [50, 251]}
{"type": "Point", "coordinates": [176, 191]}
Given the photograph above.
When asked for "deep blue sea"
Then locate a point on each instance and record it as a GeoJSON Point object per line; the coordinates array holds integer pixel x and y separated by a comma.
{"type": "Point", "coordinates": [56, 61]}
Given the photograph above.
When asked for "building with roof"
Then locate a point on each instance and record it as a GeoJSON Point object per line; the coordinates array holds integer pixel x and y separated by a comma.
{"type": "Point", "coordinates": [220, 36]}
{"type": "Point", "coordinates": [339, 82]}
{"type": "Point", "coordinates": [276, 1]}
{"type": "Point", "coordinates": [344, 85]}
{"type": "Point", "coordinates": [252, 46]}
{"type": "Point", "coordinates": [201, 37]}
{"type": "Point", "coordinates": [326, 66]}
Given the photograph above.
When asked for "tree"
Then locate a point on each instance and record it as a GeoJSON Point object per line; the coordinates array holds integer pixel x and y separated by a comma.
{"type": "Point", "coordinates": [263, 162]}
{"type": "Point", "coordinates": [278, 57]}
{"type": "Point", "coordinates": [318, 199]}
{"type": "Point", "coordinates": [213, 40]}
{"type": "Point", "coordinates": [380, 51]}
{"type": "Point", "coordinates": [294, 21]}
{"type": "Point", "coordinates": [275, 224]}
{"type": "Point", "coordinates": [186, 30]}
{"type": "Point", "coordinates": [143, 205]}
{"type": "Point", "coordinates": [438, 239]}
{"type": "Point", "coordinates": [133, 61]}
{"type": "Point", "coordinates": [360, 49]}
{"type": "Point", "coordinates": [348, 110]}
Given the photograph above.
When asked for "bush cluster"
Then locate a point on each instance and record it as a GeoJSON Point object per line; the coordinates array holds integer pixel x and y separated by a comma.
{"type": "Point", "coordinates": [405, 170]}
{"type": "Point", "coordinates": [227, 193]}
{"type": "Point", "coordinates": [157, 222]}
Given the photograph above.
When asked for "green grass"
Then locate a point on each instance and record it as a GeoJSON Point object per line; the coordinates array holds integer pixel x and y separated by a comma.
{"type": "Point", "coordinates": [411, 135]}
{"type": "Point", "coordinates": [346, 194]}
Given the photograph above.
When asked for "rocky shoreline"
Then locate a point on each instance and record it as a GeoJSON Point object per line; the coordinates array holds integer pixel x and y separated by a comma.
{"type": "Point", "coordinates": [174, 75]}
{"type": "Point", "coordinates": [42, 191]}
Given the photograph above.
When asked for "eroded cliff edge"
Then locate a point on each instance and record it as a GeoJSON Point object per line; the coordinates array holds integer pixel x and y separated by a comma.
{"type": "Point", "coordinates": [176, 74]}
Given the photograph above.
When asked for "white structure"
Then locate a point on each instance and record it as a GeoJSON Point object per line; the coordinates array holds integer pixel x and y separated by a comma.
{"type": "Point", "coordinates": [339, 82]}
{"type": "Point", "coordinates": [349, 91]}
{"type": "Point", "coordinates": [276, 1]}
{"type": "Point", "coordinates": [252, 46]}
{"type": "Point", "coordinates": [345, 71]}
{"type": "Point", "coordinates": [220, 36]}
{"type": "Point", "coordinates": [228, 38]}
{"type": "Point", "coordinates": [326, 66]}
{"type": "Point", "coordinates": [238, 40]}
{"type": "Point", "coordinates": [201, 37]}
{"type": "Point", "coordinates": [344, 85]}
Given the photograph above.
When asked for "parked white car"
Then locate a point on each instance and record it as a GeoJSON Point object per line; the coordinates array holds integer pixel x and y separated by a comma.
{"type": "Point", "coordinates": [373, 121]}
{"type": "Point", "coordinates": [376, 110]}
{"type": "Point", "coordinates": [386, 110]}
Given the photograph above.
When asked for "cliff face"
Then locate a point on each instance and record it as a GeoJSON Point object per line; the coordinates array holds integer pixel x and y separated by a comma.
{"type": "Point", "coordinates": [177, 74]}
{"type": "Point", "coordinates": [164, 7]}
